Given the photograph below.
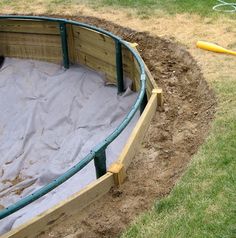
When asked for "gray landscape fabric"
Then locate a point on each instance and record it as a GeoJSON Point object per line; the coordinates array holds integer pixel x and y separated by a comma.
{"type": "Point", "coordinates": [50, 118]}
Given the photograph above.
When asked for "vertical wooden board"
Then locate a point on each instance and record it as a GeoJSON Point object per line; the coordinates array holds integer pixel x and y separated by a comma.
{"type": "Point", "coordinates": [66, 208]}
{"type": "Point", "coordinates": [29, 26]}
{"type": "Point", "coordinates": [138, 133]}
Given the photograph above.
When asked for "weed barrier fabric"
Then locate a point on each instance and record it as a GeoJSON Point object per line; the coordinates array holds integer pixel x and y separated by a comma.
{"type": "Point", "coordinates": [50, 119]}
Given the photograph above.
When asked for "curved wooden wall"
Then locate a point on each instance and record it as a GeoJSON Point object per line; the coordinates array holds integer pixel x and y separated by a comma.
{"type": "Point", "coordinates": [41, 40]}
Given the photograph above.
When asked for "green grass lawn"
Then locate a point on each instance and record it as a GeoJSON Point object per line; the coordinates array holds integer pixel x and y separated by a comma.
{"type": "Point", "coordinates": [202, 7]}
{"type": "Point", "coordinates": [203, 202]}
{"type": "Point", "coordinates": [143, 7]}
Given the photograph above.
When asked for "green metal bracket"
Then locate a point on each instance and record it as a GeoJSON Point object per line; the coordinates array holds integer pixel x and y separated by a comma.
{"type": "Point", "coordinates": [64, 45]}
{"type": "Point", "coordinates": [119, 67]}
{"type": "Point", "coordinates": [100, 163]}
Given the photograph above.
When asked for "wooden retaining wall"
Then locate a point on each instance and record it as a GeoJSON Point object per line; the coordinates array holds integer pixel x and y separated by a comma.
{"type": "Point", "coordinates": [42, 41]}
{"type": "Point", "coordinates": [30, 40]}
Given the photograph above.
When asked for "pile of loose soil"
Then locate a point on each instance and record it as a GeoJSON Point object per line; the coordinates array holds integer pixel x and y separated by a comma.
{"type": "Point", "coordinates": [175, 134]}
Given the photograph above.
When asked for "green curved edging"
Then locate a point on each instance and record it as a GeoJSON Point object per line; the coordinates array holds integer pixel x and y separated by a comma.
{"type": "Point", "coordinates": [100, 147]}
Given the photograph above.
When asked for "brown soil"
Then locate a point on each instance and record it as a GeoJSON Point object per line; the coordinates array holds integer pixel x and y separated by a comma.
{"type": "Point", "coordinates": [173, 137]}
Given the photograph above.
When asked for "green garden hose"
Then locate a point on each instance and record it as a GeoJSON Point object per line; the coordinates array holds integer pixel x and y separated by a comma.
{"type": "Point", "coordinates": [221, 7]}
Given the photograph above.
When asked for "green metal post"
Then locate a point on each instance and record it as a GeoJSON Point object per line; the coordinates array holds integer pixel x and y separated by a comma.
{"type": "Point", "coordinates": [64, 45]}
{"type": "Point", "coordinates": [100, 163]}
{"type": "Point", "coordinates": [143, 103]}
{"type": "Point", "coordinates": [119, 67]}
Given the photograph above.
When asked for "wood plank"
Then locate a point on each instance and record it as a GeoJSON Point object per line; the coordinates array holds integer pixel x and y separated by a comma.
{"type": "Point", "coordinates": [149, 87]}
{"type": "Point", "coordinates": [149, 75]}
{"type": "Point", "coordinates": [128, 65]}
{"type": "Point", "coordinates": [100, 53]}
{"type": "Point", "coordinates": [29, 26]}
{"type": "Point", "coordinates": [51, 54]}
{"type": "Point", "coordinates": [11, 38]}
{"type": "Point", "coordinates": [129, 68]}
{"type": "Point", "coordinates": [100, 65]}
{"type": "Point", "coordinates": [108, 70]}
{"type": "Point", "coordinates": [71, 43]}
{"type": "Point", "coordinates": [94, 38]}
{"type": "Point", "coordinates": [118, 173]}
{"type": "Point", "coordinates": [127, 54]}
{"type": "Point", "coordinates": [66, 208]}
{"type": "Point", "coordinates": [95, 50]}
{"type": "Point", "coordinates": [136, 78]}
{"type": "Point", "coordinates": [138, 133]}
{"type": "Point", "coordinates": [150, 84]}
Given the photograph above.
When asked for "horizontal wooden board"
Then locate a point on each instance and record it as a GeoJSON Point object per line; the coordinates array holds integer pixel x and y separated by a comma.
{"type": "Point", "coordinates": [93, 49]}
{"type": "Point", "coordinates": [108, 70]}
{"type": "Point", "coordinates": [11, 38]}
{"type": "Point", "coordinates": [149, 85]}
{"type": "Point", "coordinates": [128, 64]}
{"type": "Point", "coordinates": [138, 133]}
{"type": "Point", "coordinates": [66, 208]}
{"type": "Point", "coordinates": [150, 82]}
{"type": "Point", "coordinates": [130, 68]}
{"type": "Point", "coordinates": [29, 26]}
{"type": "Point", "coordinates": [127, 54]}
{"type": "Point", "coordinates": [101, 52]}
{"type": "Point", "coordinates": [51, 54]}
{"type": "Point", "coordinates": [93, 38]}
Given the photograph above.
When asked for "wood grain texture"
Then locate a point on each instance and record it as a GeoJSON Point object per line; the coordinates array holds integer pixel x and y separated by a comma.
{"type": "Point", "coordinates": [64, 209]}
{"type": "Point", "coordinates": [29, 26]}
{"type": "Point", "coordinates": [29, 39]}
{"type": "Point", "coordinates": [138, 133]}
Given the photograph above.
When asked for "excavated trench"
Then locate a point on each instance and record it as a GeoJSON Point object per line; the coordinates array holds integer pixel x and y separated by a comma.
{"type": "Point", "coordinates": [175, 134]}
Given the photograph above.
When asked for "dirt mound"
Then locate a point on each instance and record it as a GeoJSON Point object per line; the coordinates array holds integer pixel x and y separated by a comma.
{"type": "Point", "coordinates": [173, 137]}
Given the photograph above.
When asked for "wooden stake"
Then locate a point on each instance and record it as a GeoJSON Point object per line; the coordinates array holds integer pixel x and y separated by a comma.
{"type": "Point", "coordinates": [118, 172]}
